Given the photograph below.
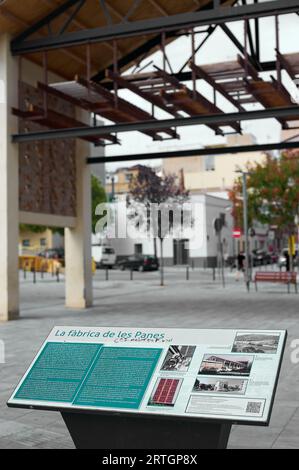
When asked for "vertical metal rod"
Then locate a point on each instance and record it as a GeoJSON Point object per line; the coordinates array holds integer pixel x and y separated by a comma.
{"type": "Point", "coordinates": [246, 46]}
{"type": "Point", "coordinates": [115, 70]}
{"type": "Point", "coordinates": [245, 216]}
{"type": "Point", "coordinates": [45, 94]}
{"type": "Point", "coordinates": [57, 275]}
{"type": "Point", "coordinates": [34, 276]}
{"type": "Point", "coordinates": [107, 274]}
{"type": "Point", "coordinates": [278, 66]}
{"type": "Point", "coordinates": [187, 273]}
{"type": "Point", "coordinates": [257, 37]}
{"type": "Point", "coordinates": [131, 274]}
{"type": "Point", "coordinates": [163, 51]}
{"type": "Point", "coordinates": [193, 60]}
{"type": "Point", "coordinates": [88, 66]}
{"type": "Point", "coordinates": [88, 62]}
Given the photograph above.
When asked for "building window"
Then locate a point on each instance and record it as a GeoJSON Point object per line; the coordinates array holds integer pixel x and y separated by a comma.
{"type": "Point", "coordinates": [209, 163]}
{"type": "Point", "coordinates": [26, 243]}
{"type": "Point", "coordinates": [43, 242]}
{"type": "Point", "coordinates": [129, 177]}
{"type": "Point", "coordinates": [138, 248]}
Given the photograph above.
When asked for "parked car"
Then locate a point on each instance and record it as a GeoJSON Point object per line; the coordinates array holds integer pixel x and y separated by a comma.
{"type": "Point", "coordinates": [52, 253]}
{"type": "Point", "coordinates": [260, 258]}
{"type": "Point", "coordinates": [104, 256]}
{"type": "Point", "coordinates": [139, 263]}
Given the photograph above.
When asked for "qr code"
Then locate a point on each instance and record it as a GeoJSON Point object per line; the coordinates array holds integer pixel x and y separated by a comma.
{"type": "Point", "coordinates": [253, 407]}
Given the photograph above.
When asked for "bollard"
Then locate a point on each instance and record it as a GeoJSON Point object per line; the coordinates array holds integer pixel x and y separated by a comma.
{"type": "Point", "coordinates": [214, 274]}
{"type": "Point", "coordinates": [42, 272]}
{"type": "Point", "coordinates": [25, 272]}
{"type": "Point", "coordinates": [193, 265]}
{"type": "Point", "coordinates": [34, 275]}
{"type": "Point", "coordinates": [187, 273]}
{"type": "Point", "coordinates": [107, 274]}
{"type": "Point", "coordinates": [57, 275]}
{"type": "Point", "coordinates": [131, 275]}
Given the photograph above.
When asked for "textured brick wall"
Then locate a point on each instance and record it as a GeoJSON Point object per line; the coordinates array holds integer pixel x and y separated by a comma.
{"type": "Point", "coordinates": [47, 169]}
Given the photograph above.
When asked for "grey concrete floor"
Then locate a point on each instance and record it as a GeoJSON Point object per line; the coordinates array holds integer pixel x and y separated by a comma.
{"type": "Point", "coordinates": [197, 303]}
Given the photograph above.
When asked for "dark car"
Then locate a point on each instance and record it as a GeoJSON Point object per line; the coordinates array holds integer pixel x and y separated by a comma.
{"type": "Point", "coordinates": [139, 263]}
{"type": "Point", "coordinates": [261, 258]}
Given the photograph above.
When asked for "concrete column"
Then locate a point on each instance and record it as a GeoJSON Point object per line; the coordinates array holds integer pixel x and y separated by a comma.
{"type": "Point", "coordinates": [78, 240]}
{"type": "Point", "coordinates": [9, 185]}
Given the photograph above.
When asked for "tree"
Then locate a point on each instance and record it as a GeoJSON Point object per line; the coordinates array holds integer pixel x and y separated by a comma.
{"type": "Point", "coordinates": [273, 193]}
{"type": "Point", "coordinates": [160, 196]}
{"type": "Point", "coordinates": [98, 196]}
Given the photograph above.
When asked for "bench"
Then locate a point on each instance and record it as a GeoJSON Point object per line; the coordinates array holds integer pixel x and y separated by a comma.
{"type": "Point", "coordinates": [273, 276]}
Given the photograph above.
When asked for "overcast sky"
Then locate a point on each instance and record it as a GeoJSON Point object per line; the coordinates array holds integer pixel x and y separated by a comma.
{"type": "Point", "coordinates": [218, 48]}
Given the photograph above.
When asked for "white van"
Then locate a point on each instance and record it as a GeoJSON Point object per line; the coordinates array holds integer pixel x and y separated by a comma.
{"type": "Point", "coordinates": [104, 256]}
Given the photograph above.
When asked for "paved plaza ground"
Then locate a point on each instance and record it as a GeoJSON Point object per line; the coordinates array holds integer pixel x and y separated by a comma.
{"type": "Point", "coordinates": [197, 303]}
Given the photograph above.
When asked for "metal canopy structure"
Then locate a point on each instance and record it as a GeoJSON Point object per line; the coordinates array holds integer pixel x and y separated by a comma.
{"type": "Point", "coordinates": [82, 132]}
{"type": "Point", "coordinates": [218, 15]}
{"type": "Point", "coordinates": [240, 82]}
{"type": "Point", "coordinates": [236, 149]}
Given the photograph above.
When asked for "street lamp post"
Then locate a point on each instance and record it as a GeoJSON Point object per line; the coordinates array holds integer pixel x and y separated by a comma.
{"type": "Point", "coordinates": [246, 239]}
{"type": "Point", "coordinates": [245, 223]}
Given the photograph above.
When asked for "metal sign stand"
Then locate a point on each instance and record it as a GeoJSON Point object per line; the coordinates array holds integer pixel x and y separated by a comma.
{"type": "Point", "coordinates": [111, 431]}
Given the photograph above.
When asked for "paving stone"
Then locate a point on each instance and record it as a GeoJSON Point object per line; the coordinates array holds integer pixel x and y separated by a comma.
{"type": "Point", "coordinates": [198, 303]}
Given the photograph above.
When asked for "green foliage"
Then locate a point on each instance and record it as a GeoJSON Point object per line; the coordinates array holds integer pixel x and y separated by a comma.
{"type": "Point", "coordinates": [98, 196]}
{"type": "Point", "coordinates": [273, 193]}
{"type": "Point", "coordinates": [32, 228]}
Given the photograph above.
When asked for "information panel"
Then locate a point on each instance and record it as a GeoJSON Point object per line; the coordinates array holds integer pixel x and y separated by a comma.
{"type": "Point", "coordinates": [217, 374]}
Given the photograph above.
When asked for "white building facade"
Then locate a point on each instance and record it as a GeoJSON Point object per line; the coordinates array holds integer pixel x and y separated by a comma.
{"type": "Point", "coordinates": [201, 248]}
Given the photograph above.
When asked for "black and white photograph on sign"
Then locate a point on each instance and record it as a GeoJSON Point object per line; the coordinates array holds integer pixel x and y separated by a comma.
{"type": "Point", "coordinates": [165, 392]}
{"type": "Point", "coordinates": [224, 385]}
{"type": "Point", "coordinates": [258, 343]}
{"type": "Point", "coordinates": [178, 358]}
{"type": "Point", "coordinates": [228, 364]}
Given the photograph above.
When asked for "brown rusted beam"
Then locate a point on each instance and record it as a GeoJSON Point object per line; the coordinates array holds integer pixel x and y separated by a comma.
{"type": "Point", "coordinates": [216, 86]}
{"type": "Point", "coordinates": [55, 120]}
{"type": "Point", "coordinates": [285, 64]}
{"type": "Point", "coordinates": [247, 67]}
{"type": "Point", "coordinates": [125, 107]}
{"type": "Point", "coordinates": [197, 97]}
{"type": "Point", "coordinates": [148, 96]}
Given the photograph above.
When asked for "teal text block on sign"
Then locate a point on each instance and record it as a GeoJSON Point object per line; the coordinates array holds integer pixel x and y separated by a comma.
{"type": "Point", "coordinates": [118, 378]}
{"type": "Point", "coordinates": [58, 372]}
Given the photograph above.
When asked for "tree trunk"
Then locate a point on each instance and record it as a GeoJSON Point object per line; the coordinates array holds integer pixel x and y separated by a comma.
{"type": "Point", "coordinates": [161, 263]}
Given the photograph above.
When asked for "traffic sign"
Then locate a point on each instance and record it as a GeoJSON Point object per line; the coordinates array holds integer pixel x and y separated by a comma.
{"type": "Point", "coordinates": [237, 233]}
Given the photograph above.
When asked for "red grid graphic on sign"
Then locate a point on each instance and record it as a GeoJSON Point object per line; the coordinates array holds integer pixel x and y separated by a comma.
{"type": "Point", "coordinates": [166, 391]}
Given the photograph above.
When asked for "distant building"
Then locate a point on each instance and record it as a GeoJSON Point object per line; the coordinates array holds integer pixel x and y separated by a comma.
{"type": "Point", "coordinates": [214, 173]}
{"type": "Point", "coordinates": [177, 251]}
{"type": "Point", "coordinates": [33, 243]}
{"type": "Point", "coordinates": [118, 182]}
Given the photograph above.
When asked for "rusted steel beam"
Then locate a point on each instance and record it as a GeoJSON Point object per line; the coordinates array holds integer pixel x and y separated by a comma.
{"type": "Point", "coordinates": [217, 86]}
{"type": "Point", "coordinates": [128, 109]}
{"type": "Point", "coordinates": [148, 96]}
{"type": "Point", "coordinates": [55, 120]}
